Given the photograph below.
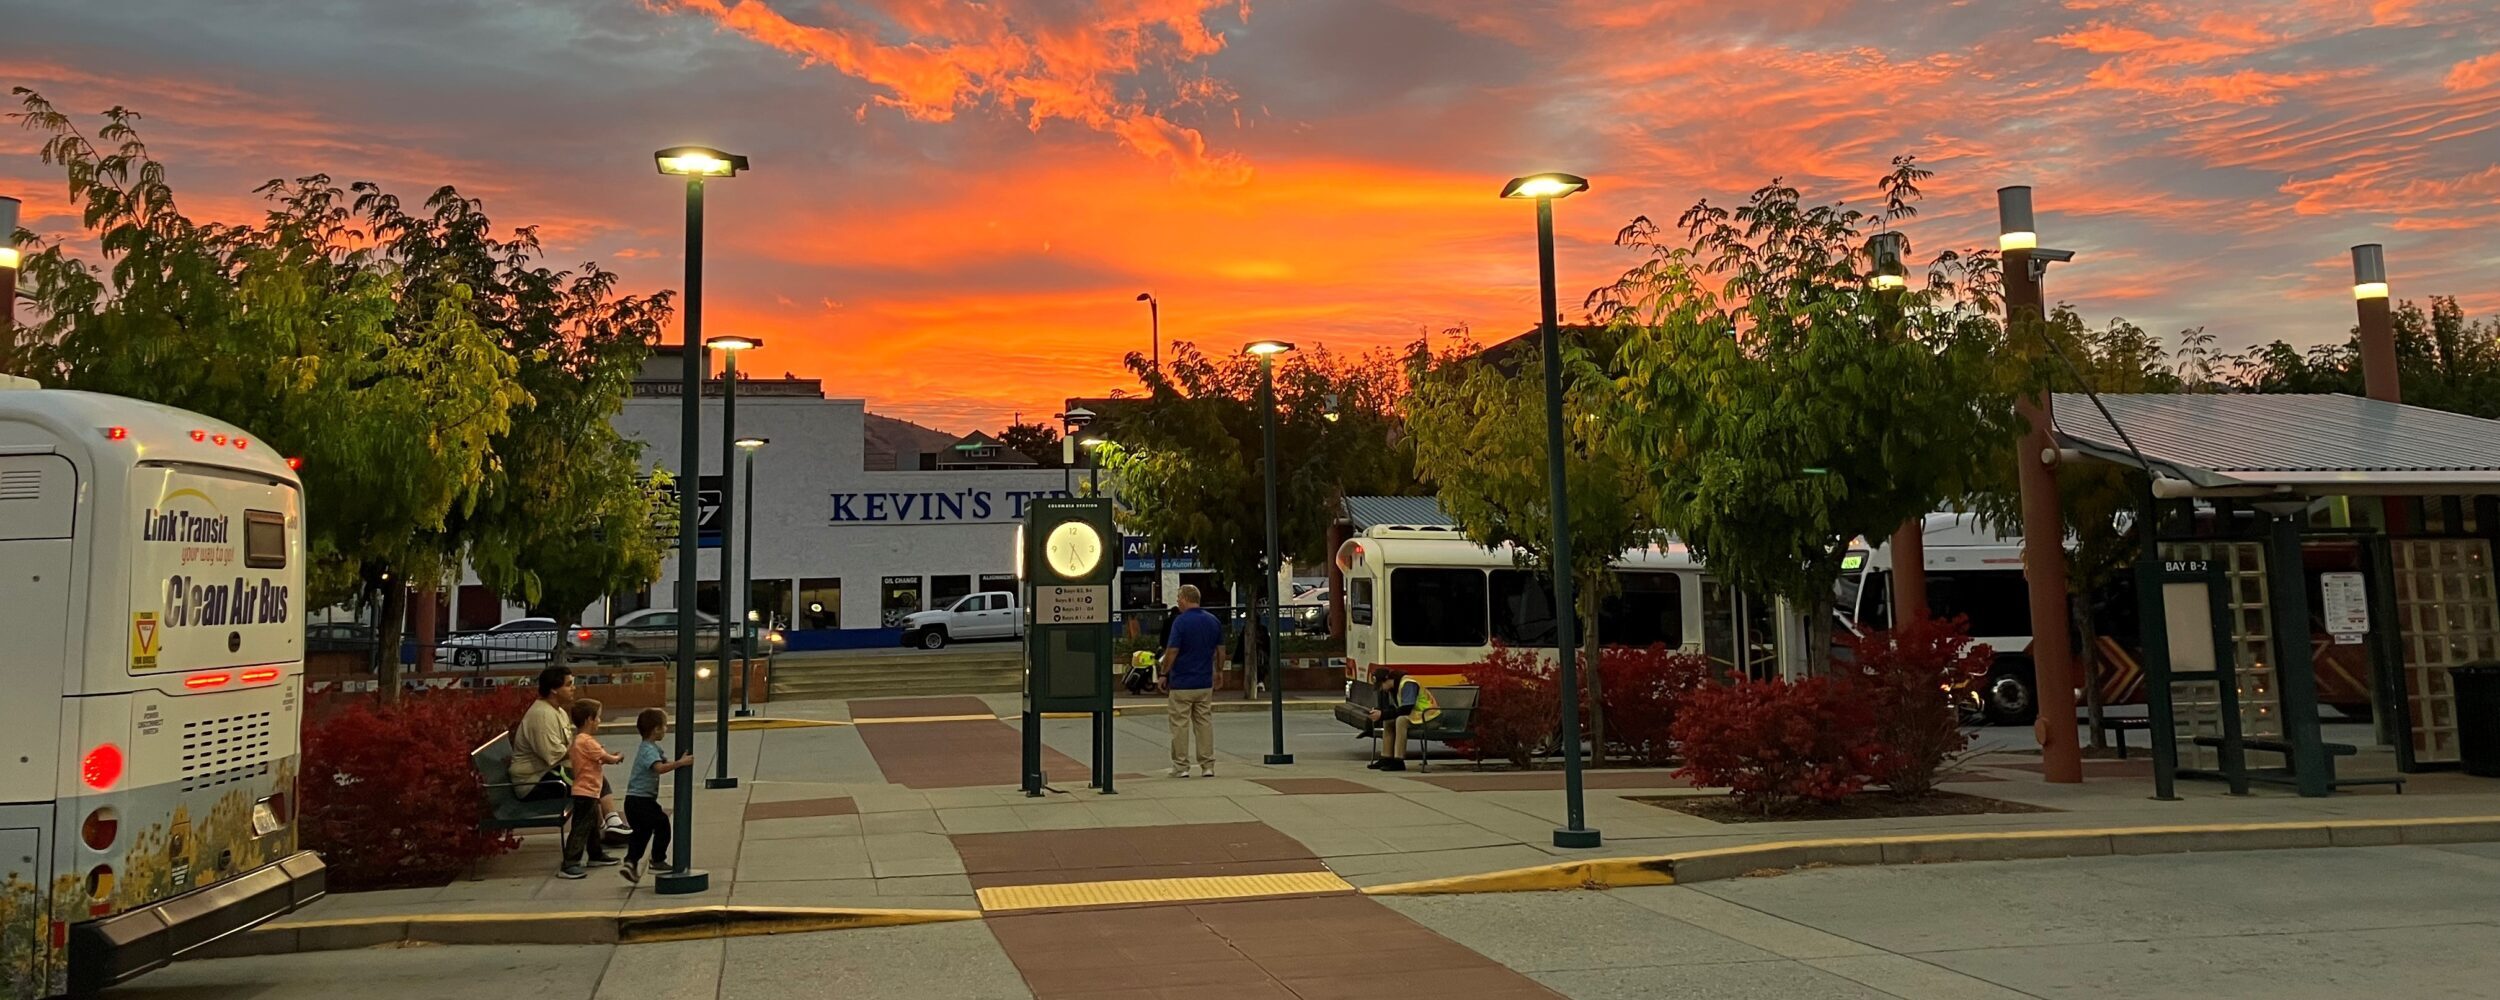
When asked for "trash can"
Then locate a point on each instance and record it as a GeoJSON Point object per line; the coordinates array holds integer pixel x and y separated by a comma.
{"type": "Point", "coordinates": [2478, 717]}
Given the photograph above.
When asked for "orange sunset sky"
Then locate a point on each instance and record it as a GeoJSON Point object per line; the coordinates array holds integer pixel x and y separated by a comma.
{"type": "Point", "coordinates": [954, 204]}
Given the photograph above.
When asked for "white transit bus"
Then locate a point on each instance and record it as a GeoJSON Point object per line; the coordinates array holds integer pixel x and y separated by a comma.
{"type": "Point", "coordinates": [1428, 602]}
{"type": "Point", "coordinates": [152, 604]}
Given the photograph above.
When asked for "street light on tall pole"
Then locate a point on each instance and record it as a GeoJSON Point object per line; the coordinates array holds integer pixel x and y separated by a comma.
{"type": "Point", "coordinates": [694, 163]}
{"type": "Point", "coordinates": [746, 569]}
{"type": "Point", "coordinates": [1069, 424]}
{"type": "Point", "coordinates": [1544, 188]}
{"type": "Point", "coordinates": [1154, 324]}
{"type": "Point", "coordinates": [730, 618]}
{"type": "Point", "coordinates": [2026, 262]}
{"type": "Point", "coordinates": [1266, 351]}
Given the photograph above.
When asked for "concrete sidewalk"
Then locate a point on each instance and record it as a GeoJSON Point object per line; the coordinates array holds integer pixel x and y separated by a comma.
{"type": "Point", "coordinates": [817, 822]}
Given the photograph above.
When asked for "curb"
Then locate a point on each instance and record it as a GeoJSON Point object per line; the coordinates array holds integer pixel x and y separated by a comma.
{"type": "Point", "coordinates": [1732, 862]}
{"type": "Point", "coordinates": [628, 927]}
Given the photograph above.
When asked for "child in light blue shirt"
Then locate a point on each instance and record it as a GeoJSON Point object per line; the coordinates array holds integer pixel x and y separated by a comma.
{"type": "Point", "coordinates": [642, 795]}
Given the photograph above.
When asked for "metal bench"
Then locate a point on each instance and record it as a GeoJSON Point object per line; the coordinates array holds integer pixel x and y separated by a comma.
{"type": "Point", "coordinates": [2285, 775]}
{"type": "Point", "coordinates": [2118, 725]}
{"type": "Point", "coordinates": [501, 807]}
{"type": "Point", "coordinates": [1454, 724]}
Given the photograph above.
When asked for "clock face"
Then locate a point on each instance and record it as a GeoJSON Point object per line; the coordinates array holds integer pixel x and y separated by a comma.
{"type": "Point", "coordinates": [1073, 549]}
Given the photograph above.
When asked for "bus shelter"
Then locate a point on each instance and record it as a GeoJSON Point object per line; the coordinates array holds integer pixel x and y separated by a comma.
{"type": "Point", "coordinates": [2317, 564]}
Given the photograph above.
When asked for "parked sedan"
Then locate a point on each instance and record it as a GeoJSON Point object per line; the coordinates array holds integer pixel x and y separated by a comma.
{"type": "Point", "coordinates": [521, 640]}
{"type": "Point", "coordinates": [654, 631]}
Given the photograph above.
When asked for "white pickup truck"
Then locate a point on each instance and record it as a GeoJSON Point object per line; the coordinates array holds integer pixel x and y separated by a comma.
{"type": "Point", "coordinates": [987, 615]}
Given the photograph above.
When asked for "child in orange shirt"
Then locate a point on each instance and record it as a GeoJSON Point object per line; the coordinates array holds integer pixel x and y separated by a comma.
{"type": "Point", "coordinates": [589, 765]}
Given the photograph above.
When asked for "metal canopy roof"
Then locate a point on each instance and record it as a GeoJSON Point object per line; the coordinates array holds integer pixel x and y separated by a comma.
{"type": "Point", "coordinates": [2302, 444]}
{"type": "Point", "coordinates": [1416, 512]}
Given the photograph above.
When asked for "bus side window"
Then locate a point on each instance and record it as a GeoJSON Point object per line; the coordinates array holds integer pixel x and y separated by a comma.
{"type": "Point", "coordinates": [264, 539]}
{"type": "Point", "coordinates": [1358, 602]}
{"type": "Point", "coordinates": [1647, 610]}
{"type": "Point", "coordinates": [1523, 608]}
{"type": "Point", "coordinates": [1436, 607]}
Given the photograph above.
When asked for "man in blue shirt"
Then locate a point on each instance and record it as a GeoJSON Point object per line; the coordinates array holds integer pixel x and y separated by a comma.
{"type": "Point", "coordinates": [1188, 676]}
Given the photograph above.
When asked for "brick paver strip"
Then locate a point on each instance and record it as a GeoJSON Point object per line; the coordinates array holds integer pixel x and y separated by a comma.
{"type": "Point", "coordinates": [1546, 781]}
{"type": "Point", "coordinates": [909, 708]}
{"type": "Point", "coordinates": [970, 754]}
{"type": "Point", "coordinates": [802, 808]}
{"type": "Point", "coordinates": [1314, 786]}
{"type": "Point", "coordinates": [1040, 857]}
{"type": "Point", "coordinates": [2131, 768]}
{"type": "Point", "coordinates": [1309, 948]}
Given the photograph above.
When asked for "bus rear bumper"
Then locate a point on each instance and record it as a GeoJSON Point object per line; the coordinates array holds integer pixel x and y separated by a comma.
{"type": "Point", "coordinates": [115, 950]}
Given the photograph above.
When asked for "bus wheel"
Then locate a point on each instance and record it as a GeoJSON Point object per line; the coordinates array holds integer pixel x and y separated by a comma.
{"type": "Point", "coordinates": [2009, 698]}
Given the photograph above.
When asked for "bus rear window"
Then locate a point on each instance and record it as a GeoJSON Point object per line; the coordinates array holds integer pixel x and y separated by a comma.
{"type": "Point", "coordinates": [1358, 600]}
{"type": "Point", "coordinates": [1436, 607]}
{"type": "Point", "coordinates": [264, 539]}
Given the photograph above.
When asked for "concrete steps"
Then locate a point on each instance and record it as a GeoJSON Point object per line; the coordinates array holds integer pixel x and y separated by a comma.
{"type": "Point", "coordinates": [988, 668]}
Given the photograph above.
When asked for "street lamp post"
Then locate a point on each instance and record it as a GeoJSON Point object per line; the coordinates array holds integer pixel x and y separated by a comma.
{"type": "Point", "coordinates": [694, 163]}
{"type": "Point", "coordinates": [2026, 262]}
{"type": "Point", "coordinates": [730, 606]}
{"type": "Point", "coordinates": [746, 567]}
{"type": "Point", "coordinates": [1266, 351]}
{"type": "Point", "coordinates": [1544, 188]}
{"type": "Point", "coordinates": [1069, 424]}
{"type": "Point", "coordinates": [1154, 324]}
{"type": "Point", "coordinates": [1093, 463]}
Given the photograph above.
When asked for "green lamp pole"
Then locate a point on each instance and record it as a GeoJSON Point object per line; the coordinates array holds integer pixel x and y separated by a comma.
{"type": "Point", "coordinates": [1266, 351]}
{"type": "Point", "coordinates": [1544, 188]}
{"type": "Point", "coordinates": [730, 619]}
{"type": "Point", "coordinates": [746, 567]}
{"type": "Point", "coordinates": [694, 163]}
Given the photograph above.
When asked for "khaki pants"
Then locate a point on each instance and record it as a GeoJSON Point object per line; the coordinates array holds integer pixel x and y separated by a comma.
{"type": "Point", "coordinates": [1194, 707]}
{"type": "Point", "coordinates": [1394, 744]}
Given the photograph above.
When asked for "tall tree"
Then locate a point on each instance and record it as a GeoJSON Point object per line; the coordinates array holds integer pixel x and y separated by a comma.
{"type": "Point", "coordinates": [554, 527]}
{"type": "Point", "coordinates": [1189, 457]}
{"type": "Point", "coordinates": [2443, 361]}
{"type": "Point", "coordinates": [1038, 441]}
{"type": "Point", "coordinates": [294, 328]}
{"type": "Point", "coordinates": [1478, 427]}
{"type": "Point", "coordinates": [1784, 405]}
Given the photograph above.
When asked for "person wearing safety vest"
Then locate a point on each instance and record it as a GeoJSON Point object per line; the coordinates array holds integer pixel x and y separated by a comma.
{"type": "Point", "coordinates": [1403, 700]}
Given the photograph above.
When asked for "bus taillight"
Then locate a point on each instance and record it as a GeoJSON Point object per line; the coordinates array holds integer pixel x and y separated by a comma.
{"type": "Point", "coordinates": [198, 681]}
{"type": "Point", "coordinates": [102, 827]}
{"type": "Point", "coordinates": [260, 675]}
{"type": "Point", "coordinates": [101, 767]}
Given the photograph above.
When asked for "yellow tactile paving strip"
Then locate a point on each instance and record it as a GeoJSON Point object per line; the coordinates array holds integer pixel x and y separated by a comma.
{"type": "Point", "coordinates": [1158, 890]}
{"type": "Point", "coordinates": [923, 718]}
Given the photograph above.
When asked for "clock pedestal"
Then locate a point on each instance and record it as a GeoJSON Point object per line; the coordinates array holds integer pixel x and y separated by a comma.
{"type": "Point", "coordinates": [1070, 560]}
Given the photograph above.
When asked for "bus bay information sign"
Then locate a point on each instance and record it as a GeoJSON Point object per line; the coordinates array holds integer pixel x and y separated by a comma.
{"type": "Point", "coordinates": [1072, 605]}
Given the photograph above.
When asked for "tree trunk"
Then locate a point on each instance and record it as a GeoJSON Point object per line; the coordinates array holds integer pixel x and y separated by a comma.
{"type": "Point", "coordinates": [1591, 657]}
{"type": "Point", "coordinates": [386, 633]}
{"type": "Point", "coordinates": [1817, 658]}
{"type": "Point", "coordinates": [561, 653]}
{"type": "Point", "coordinates": [2091, 670]}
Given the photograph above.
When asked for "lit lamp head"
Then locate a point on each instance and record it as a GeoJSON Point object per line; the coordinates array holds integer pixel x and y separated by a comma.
{"type": "Point", "coordinates": [1890, 273]}
{"type": "Point", "coordinates": [1145, 296]}
{"type": "Point", "coordinates": [750, 444]}
{"type": "Point", "coordinates": [733, 344]}
{"type": "Point", "coordinates": [2369, 272]}
{"type": "Point", "coordinates": [1077, 418]}
{"type": "Point", "coordinates": [1334, 409]}
{"type": "Point", "coordinates": [2015, 229]}
{"type": "Point", "coordinates": [8, 233]}
{"type": "Point", "coordinates": [1266, 349]}
{"type": "Point", "coordinates": [1545, 186]}
{"type": "Point", "coordinates": [699, 161]}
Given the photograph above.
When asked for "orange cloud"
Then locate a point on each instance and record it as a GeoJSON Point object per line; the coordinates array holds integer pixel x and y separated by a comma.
{"type": "Point", "coordinates": [934, 58]}
{"type": "Point", "coordinates": [2474, 74]}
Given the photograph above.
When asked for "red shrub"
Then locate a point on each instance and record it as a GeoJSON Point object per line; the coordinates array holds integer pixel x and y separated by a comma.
{"type": "Point", "coordinates": [1517, 709]}
{"type": "Point", "coordinates": [1775, 744]}
{"type": "Point", "coordinates": [1906, 675]}
{"type": "Point", "coordinates": [389, 799]}
{"type": "Point", "coordinates": [1643, 690]}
